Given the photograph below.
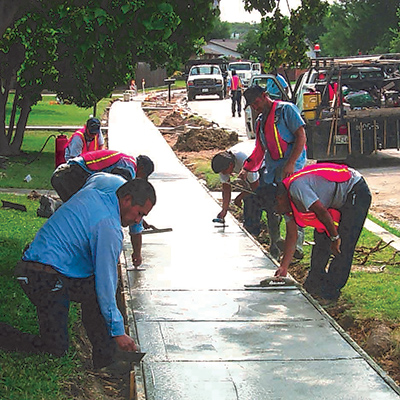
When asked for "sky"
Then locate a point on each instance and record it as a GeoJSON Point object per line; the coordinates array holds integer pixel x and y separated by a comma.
{"type": "Point", "coordinates": [233, 11]}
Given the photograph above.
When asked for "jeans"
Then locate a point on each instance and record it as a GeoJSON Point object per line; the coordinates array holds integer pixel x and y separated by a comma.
{"type": "Point", "coordinates": [67, 179]}
{"type": "Point", "coordinates": [327, 281]}
{"type": "Point", "coordinates": [51, 293]}
{"type": "Point", "coordinates": [236, 96]}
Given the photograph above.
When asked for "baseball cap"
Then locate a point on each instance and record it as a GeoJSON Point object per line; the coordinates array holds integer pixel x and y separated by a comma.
{"type": "Point", "coordinates": [251, 93]}
{"type": "Point", "coordinates": [93, 126]}
{"type": "Point", "coordinates": [221, 161]}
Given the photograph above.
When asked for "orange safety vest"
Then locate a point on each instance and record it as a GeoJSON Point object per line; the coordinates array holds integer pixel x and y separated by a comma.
{"type": "Point", "coordinates": [332, 172]}
{"type": "Point", "coordinates": [101, 159]}
{"type": "Point", "coordinates": [275, 144]}
{"type": "Point", "coordinates": [93, 145]}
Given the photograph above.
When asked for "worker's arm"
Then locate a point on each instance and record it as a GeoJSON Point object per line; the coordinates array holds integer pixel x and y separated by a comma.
{"type": "Point", "coordinates": [323, 215]}
{"type": "Point", "coordinates": [239, 198]}
{"type": "Point", "coordinates": [136, 241]}
{"type": "Point", "coordinates": [226, 199]}
{"type": "Point", "coordinates": [298, 147]}
{"type": "Point", "coordinates": [289, 248]}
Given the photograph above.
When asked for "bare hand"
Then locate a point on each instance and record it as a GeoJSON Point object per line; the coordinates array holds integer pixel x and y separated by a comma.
{"type": "Point", "coordinates": [335, 247]}
{"type": "Point", "coordinates": [281, 271]}
{"type": "Point", "coordinates": [243, 175]}
{"type": "Point", "coordinates": [136, 259]}
{"type": "Point", "coordinates": [125, 343]}
{"type": "Point", "coordinates": [222, 214]}
{"type": "Point", "coordinates": [288, 170]}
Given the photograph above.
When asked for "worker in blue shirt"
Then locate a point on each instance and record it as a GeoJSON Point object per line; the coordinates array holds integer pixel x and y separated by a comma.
{"type": "Point", "coordinates": [74, 257]}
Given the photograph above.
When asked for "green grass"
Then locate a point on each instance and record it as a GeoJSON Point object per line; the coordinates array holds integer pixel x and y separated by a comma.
{"type": "Point", "coordinates": [40, 165]}
{"type": "Point", "coordinates": [384, 225]}
{"type": "Point", "coordinates": [22, 376]}
{"type": "Point", "coordinates": [48, 113]}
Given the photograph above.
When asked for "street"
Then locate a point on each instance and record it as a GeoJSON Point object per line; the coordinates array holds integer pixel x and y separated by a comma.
{"type": "Point", "coordinates": [381, 170]}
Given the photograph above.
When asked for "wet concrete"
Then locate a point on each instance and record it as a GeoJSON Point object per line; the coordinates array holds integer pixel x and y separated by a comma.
{"type": "Point", "coordinates": [206, 335]}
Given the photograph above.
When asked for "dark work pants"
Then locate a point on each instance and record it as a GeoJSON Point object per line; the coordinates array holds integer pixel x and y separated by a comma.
{"type": "Point", "coordinates": [51, 293]}
{"type": "Point", "coordinates": [328, 281]}
{"type": "Point", "coordinates": [236, 96]}
{"type": "Point", "coordinates": [67, 179]}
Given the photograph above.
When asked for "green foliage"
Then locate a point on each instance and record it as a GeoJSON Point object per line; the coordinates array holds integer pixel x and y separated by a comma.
{"type": "Point", "coordinates": [359, 26]}
{"type": "Point", "coordinates": [281, 39]}
{"type": "Point", "coordinates": [84, 50]}
{"type": "Point", "coordinates": [221, 30]}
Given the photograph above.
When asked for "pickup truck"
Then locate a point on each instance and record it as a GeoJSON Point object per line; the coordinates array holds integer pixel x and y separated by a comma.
{"type": "Point", "coordinates": [351, 105]}
{"type": "Point", "coordinates": [245, 70]}
{"type": "Point", "coordinates": [204, 80]}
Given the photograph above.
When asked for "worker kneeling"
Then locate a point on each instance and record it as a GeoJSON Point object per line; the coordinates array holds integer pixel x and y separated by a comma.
{"type": "Point", "coordinates": [334, 199]}
{"type": "Point", "coordinates": [74, 257]}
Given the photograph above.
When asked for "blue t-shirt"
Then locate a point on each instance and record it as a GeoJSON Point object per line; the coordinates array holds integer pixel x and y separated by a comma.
{"type": "Point", "coordinates": [84, 238]}
{"type": "Point", "coordinates": [288, 120]}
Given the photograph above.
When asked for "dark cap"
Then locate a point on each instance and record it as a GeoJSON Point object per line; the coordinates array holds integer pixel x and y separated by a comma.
{"type": "Point", "coordinates": [221, 161]}
{"type": "Point", "coordinates": [146, 164]}
{"type": "Point", "coordinates": [93, 126]}
{"type": "Point", "coordinates": [251, 93]}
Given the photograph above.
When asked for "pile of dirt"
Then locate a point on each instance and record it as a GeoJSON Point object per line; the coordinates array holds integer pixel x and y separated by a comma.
{"type": "Point", "coordinates": [205, 139]}
{"type": "Point", "coordinates": [173, 119]}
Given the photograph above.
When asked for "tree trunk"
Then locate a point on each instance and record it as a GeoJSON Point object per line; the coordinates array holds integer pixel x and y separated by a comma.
{"type": "Point", "coordinates": [12, 116]}
{"type": "Point", "coordinates": [21, 125]}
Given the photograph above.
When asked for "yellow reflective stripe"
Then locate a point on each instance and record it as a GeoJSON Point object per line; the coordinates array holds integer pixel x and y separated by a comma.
{"type": "Point", "coordinates": [300, 173]}
{"type": "Point", "coordinates": [101, 159]}
{"type": "Point", "coordinates": [277, 142]}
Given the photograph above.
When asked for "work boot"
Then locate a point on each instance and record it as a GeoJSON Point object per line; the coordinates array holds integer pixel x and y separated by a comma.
{"type": "Point", "coordinates": [239, 115]}
{"type": "Point", "coordinates": [233, 114]}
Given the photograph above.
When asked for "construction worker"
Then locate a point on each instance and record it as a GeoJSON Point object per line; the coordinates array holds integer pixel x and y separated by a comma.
{"type": "Point", "coordinates": [74, 257]}
{"type": "Point", "coordinates": [88, 138]}
{"type": "Point", "coordinates": [230, 162]}
{"type": "Point", "coordinates": [280, 146]}
{"type": "Point", "coordinates": [234, 88]}
{"type": "Point", "coordinates": [334, 199]}
{"type": "Point", "coordinates": [68, 178]}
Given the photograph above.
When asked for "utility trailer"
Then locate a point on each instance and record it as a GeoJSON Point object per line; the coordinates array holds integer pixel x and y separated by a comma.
{"type": "Point", "coordinates": [351, 105]}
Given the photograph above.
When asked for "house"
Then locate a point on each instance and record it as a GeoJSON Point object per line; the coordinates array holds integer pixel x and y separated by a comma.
{"type": "Point", "coordinates": [216, 48]}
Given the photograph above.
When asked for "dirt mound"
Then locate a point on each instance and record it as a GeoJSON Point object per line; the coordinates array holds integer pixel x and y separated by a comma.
{"type": "Point", "coordinates": [173, 119]}
{"type": "Point", "coordinates": [205, 139]}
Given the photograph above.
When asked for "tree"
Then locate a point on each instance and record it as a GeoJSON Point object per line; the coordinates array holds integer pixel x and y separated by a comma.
{"type": "Point", "coordinates": [281, 39]}
{"type": "Point", "coordinates": [221, 30]}
{"type": "Point", "coordinates": [82, 51]}
{"type": "Point", "coordinates": [354, 26]}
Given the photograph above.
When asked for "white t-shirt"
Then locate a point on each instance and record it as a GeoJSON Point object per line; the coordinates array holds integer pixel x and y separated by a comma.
{"type": "Point", "coordinates": [241, 151]}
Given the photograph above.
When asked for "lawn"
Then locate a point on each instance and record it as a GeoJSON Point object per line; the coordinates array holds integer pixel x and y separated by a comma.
{"type": "Point", "coordinates": [38, 159]}
{"type": "Point", "coordinates": [22, 376]}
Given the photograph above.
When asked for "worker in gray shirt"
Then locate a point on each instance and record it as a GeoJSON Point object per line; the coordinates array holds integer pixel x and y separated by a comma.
{"type": "Point", "coordinates": [334, 199]}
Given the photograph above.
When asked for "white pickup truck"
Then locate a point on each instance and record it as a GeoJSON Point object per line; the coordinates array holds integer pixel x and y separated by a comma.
{"type": "Point", "coordinates": [205, 80]}
{"type": "Point", "coordinates": [245, 70]}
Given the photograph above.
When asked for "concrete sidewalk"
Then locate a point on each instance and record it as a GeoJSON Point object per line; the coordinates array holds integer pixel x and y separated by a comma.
{"type": "Point", "coordinates": [206, 335]}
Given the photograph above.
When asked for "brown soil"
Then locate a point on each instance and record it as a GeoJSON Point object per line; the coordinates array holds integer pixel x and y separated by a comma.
{"type": "Point", "coordinates": [379, 338]}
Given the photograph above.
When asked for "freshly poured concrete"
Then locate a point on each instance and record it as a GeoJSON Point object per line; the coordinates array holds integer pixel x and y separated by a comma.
{"type": "Point", "coordinates": [206, 336]}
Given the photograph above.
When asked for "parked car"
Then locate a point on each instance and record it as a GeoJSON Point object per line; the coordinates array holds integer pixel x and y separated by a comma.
{"type": "Point", "coordinates": [205, 80]}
